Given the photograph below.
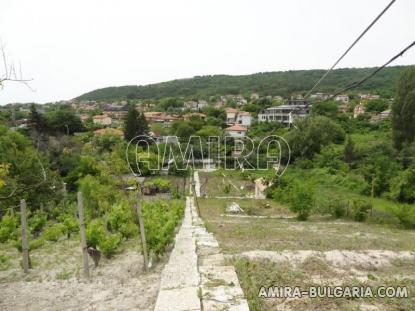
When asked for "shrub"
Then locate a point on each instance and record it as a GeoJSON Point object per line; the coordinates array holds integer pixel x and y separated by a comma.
{"type": "Point", "coordinates": [406, 215]}
{"type": "Point", "coordinates": [95, 232]}
{"type": "Point", "coordinates": [361, 210]}
{"type": "Point", "coordinates": [53, 232]}
{"type": "Point", "coordinates": [227, 188]}
{"type": "Point", "coordinates": [37, 222]}
{"type": "Point", "coordinates": [33, 244]}
{"type": "Point", "coordinates": [122, 219]}
{"type": "Point", "coordinates": [301, 201]}
{"type": "Point", "coordinates": [162, 185]}
{"type": "Point", "coordinates": [8, 228]}
{"type": "Point", "coordinates": [108, 244]}
{"type": "Point", "coordinates": [71, 224]}
{"type": "Point", "coordinates": [160, 220]}
{"type": "Point", "coordinates": [337, 208]}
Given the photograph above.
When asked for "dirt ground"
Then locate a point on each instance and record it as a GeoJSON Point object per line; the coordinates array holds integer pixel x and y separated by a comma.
{"type": "Point", "coordinates": [269, 247]}
{"type": "Point", "coordinates": [56, 283]}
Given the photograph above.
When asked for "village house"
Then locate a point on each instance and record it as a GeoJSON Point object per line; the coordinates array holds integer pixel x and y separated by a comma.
{"type": "Point", "coordinates": [368, 96]}
{"type": "Point", "coordinates": [84, 117]}
{"type": "Point", "coordinates": [254, 96]}
{"type": "Point", "coordinates": [160, 117]}
{"type": "Point", "coordinates": [236, 131]}
{"type": "Point", "coordinates": [358, 110]}
{"type": "Point", "coordinates": [319, 96]}
{"type": "Point", "coordinates": [199, 115]}
{"type": "Point", "coordinates": [243, 118]}
{"type": "Point", "coordinates": [344, 98]}
{"type": "Point", "coordinates": [286, 113]}
{"type": "Point", "coordinates": [102, 120]}
{"type": "Point", "coordinates": [231, 115]}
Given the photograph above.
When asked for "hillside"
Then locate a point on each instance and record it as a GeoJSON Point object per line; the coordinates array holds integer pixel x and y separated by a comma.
{"type": "Point", "coordinates": [283, 83]}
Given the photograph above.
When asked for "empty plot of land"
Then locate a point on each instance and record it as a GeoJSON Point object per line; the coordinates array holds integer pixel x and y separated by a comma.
{"type": "Point", "coordinates": [270, 247]}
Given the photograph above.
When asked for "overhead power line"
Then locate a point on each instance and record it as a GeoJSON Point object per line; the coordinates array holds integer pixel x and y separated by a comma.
{"type": "Point", "coordinates": [360, 82]}
{"type": "Point", "coordinates": [350, 47]}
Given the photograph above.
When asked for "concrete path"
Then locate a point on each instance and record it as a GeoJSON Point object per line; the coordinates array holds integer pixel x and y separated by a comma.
{"type": "Point", "coordinates": [197, 277]}
{"type": "Point", "coordinates": [197, 183]}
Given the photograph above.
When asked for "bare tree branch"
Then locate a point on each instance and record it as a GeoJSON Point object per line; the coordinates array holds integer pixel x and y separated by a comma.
{"type": "Point", "coordinates": [10, 74]}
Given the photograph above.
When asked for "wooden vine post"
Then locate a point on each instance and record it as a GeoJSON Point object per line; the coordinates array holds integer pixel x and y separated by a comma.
{"type": "Point", "coordinates": [83, 235]}
{"type": "Point", "coordinates": [142, 234]}
{"type": "Point", "coordinates": [25, 245]}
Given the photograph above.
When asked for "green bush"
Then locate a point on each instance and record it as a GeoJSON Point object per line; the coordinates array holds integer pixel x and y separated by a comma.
{"type": "Point", "coordinates": [33, 244]}
{"type": "Point", "coordinates": [109, 243]}
{"type": "Point", "coordinates": [122, 219]}
{"type": "Point", "coordinates": [95, 232]}
{"type": "Point", "coordinates": [301, 201]}
{"type": "Point", "coordinates": [71, 224]}
{"type": "Point", "coordinates": [361, 210]}
{"type": "Point", "coordinates": [163, 185]}
{"type": "Point", "coordinates": [406, 215]}
{"type": "Point", "coordinates": [160, 220]}
{"type": "Point", "coordinates": [37, 222]}
{"type": "Point", "coordinates": [8, 228]}
{"type": "Point", "coordinates": [337, 208]}
{"type": "Point", "coordinates": [53, 232]}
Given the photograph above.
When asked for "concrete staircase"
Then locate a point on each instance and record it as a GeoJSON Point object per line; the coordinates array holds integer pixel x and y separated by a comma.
{"type": "Point", "coordinates": [197, 276]}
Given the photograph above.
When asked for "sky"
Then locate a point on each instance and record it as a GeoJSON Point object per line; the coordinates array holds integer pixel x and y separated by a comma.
{"type": "Point", "coordinates": [72, 47]}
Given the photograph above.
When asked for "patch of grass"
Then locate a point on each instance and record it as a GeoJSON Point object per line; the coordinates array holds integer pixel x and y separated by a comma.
{"type": "Point", "coordinates": [256, 274]}
{"type": "Point", "coordinates": [238, 234]}
{"type": "Point", "coordinates": [64, 275]}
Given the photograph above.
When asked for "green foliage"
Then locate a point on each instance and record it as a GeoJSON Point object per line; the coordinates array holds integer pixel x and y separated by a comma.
{"type": "Point", "coordinates": [53, 232]}
{"type": "Point", "coordinates": [301, 201]}
{"type": "Point", "coordinates": [8, 228]}
{"type": "Point", "coordinates": [95, 233]}
{"type": "Point", "coordinates": [63, 121]}
{"type": "Point", "coordinates": [163, 185]}
{"type": "Point", "coordinates": [328, 109]}
{"type": "Point", "coordinates": [350, 152]}
{"type": "Point", "coordinates": [121, 219]}
{"type": "Point", "coordinates": [361, 210]}
{"type": "Point", "coordinates": [337, 208]}
{"type": "Point", "coordinates": [403, 186]}
{"type": "Point", "coordinates": [406, 215]}
{"type": "Point", "coordinates": [283, 83]}
{"type": "Point", "coordinates": [160, 221]}
{"type": "Point", "coordinates": [377, 105]}
{"type": "Point", "coordinates": [109, 244]}
{"type": "Point", "coordinates": [403, 109]}
{"type": "Point", "coordinates": [312, 134]}
{"type": "Point", "coordinates": [134, 124]}
{"type": "Point", "coordinates": [37, 221]}
{"type": "Point", "coordinates": [70, 222]}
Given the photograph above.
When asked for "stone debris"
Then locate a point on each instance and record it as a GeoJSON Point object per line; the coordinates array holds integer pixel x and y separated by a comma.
{"type": "Point", "coordinates": [234, 208]}
{"type": "Point", "coordinates": [197, 276]}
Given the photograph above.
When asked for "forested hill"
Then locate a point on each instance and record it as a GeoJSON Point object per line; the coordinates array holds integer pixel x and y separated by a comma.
{"type": "Point", "coordinates": [283, 83]}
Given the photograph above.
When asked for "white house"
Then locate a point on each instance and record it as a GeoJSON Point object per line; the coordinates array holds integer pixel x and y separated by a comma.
{"type": "Point", "coordinates": [243, 118]}
{"type": "Point", "coordinates": [344, 98]}
{"type": "Point", "coordinates": [236, 131]}
{"type": "Point", "coordinates": [285, 113]}
{"type": "Point", "coordinates": [102, 120]}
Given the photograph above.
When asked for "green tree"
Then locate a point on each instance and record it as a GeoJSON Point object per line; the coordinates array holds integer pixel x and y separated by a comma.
{"type": "Point", "coordinates": [349, 153]}
{"type": "Point", "coordinates": [301, 201]}
{"type": "Point", "coordinates": [312, 134]}
{"type": "Point", "coordinates": [135, 124]}
{"type": "Point", "coordinates": [403, 110]}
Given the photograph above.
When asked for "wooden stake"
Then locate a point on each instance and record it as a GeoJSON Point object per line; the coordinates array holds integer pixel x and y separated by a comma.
{"type": "Point", "coordinates": [25, 246]}
{"type": "Point", "coordinates": [142, 234]}
{"type": "Point", "coordinates": [83, 235]}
